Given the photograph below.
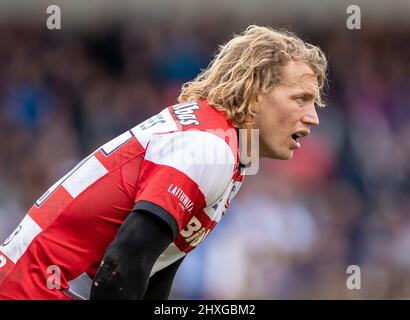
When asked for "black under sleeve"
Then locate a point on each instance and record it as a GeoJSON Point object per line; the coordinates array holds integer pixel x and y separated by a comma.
{"type": "Point", "coordinates": [160, 213]}
{"type": "Point", "coordinates": [128, 261]}
{"type": "Point", "coordinates": [160, 283]}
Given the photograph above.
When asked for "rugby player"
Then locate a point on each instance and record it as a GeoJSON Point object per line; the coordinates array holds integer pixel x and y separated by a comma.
{"type": "Point", "coordinates": [120, 223]}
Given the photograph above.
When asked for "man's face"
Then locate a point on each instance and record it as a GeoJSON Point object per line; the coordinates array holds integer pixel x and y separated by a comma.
{"type": "Point", "coordinates": [286, 112]}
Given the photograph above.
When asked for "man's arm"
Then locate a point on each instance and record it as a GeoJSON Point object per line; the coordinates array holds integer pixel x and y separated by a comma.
{"type": "Point", "coordinates": [160, 283]}
{"type": "Point", "coordinates": [128, 261]}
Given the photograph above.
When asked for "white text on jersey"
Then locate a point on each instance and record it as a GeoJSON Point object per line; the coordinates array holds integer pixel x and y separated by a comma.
{"type": "Point", "coordinates": [185, 113]}
{"type": "Point", "coordinates": [182, 196]}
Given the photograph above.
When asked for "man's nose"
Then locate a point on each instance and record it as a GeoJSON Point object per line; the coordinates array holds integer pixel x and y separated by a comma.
{"type": "Point", "coordinates": [311, 117]}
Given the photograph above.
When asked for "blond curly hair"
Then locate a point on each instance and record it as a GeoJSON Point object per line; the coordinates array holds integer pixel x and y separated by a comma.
{"type": "Point", "coordinates": [250, 64]}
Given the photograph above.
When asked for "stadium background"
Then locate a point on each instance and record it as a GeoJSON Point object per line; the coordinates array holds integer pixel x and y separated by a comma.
{"type": "Point", "coordinates": [293, 228]}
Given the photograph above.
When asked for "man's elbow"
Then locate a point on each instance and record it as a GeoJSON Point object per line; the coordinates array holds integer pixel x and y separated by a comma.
{"type": "Point", "coordinates": [109, 279]}
{"type": "Point", "coordinates": [127, 264]}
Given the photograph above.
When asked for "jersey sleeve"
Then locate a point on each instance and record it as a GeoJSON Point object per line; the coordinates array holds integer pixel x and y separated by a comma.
{"type": "Point", "coordinates": [182, 173]}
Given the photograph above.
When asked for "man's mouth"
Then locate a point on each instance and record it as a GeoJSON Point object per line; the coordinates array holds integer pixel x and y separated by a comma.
{"type": "Point", "coordinates": [299, 135]}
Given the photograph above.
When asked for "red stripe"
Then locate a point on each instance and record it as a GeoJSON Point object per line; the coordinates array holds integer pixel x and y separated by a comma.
{"type": "Point", "coordinates": [51, 207]}
{"type": "Point", "coordinates": [131, 149]}
{"type": "Point", "coordinates": [6, 268]}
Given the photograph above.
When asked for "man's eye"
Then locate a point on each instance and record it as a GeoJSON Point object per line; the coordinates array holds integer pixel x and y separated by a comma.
{"type": "Point", "coordinates": [301, 99]}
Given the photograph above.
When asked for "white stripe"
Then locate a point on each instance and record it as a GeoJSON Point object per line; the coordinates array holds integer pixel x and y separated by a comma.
{"type": "Point", "coordinates": [86, 175]}
{"type": "Point", "coordinates": [144, 135]}
{"type": "Point", "coordinates": [58, 183]}
{"type": "Point", "coordinates": [204, 157]}
{"type": "Point", "coordinates": [17, 243]}
{"type": "Point", "coordinates": [168, 257]}
{"type": "Point", "coordinates": [116, 142]}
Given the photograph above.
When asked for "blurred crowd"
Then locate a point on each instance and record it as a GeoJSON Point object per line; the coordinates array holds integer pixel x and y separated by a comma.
{"type": "Point", "coordinates": [296, 226]}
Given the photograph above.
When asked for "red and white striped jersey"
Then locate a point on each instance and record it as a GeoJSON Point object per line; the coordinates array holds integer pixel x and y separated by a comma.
{"type": "Point", "coordinates": [181, 164]}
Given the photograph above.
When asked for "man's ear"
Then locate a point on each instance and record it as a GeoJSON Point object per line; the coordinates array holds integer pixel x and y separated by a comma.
{"type": "Point", "coordinates": [256, 104]}
{"type": "Point", "coordinates": [258, 98]}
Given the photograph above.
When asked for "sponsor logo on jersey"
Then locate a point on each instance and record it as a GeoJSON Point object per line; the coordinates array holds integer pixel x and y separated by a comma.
{"type": "Point", "coordinates": [185, 113]}
{"type": "Point", "coordinates": [194, 233]}
{"type": "Point", "coordinates": [186, 202]}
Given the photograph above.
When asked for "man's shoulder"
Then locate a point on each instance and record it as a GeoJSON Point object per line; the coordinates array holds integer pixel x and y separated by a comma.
{"type": "Point", "coordinates": [200, 116]}
{"type": "Point", "coordinates": [190, 125]}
